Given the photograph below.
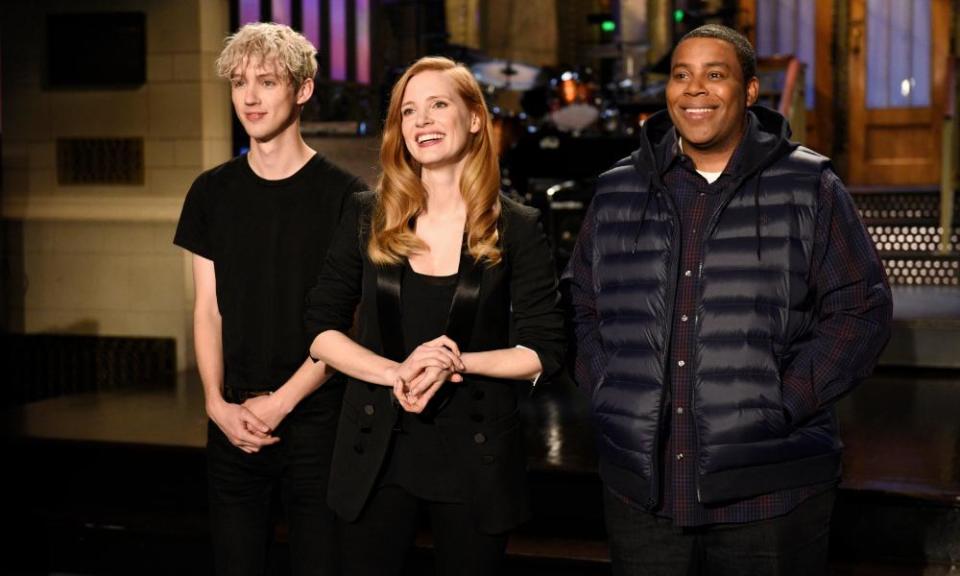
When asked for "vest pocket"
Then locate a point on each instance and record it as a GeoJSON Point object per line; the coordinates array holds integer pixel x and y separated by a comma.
{"type": "Point", "coordinates": [776, 414]}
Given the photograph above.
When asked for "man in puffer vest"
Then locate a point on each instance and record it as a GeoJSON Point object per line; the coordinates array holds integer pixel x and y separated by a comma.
{"type": "Point", "coordinates": [726, 295]}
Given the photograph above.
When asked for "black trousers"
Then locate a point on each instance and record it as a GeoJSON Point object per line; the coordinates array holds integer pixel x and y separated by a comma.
{"type": "Point", "coordinates": [795, 544]}
{"type": "Point", "coordinates": [377, 543]}
{"type": "Point", "coordinates": [242, 488]}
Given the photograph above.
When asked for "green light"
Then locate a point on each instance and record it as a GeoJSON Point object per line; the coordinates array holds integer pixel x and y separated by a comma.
{"type": "Point", "coordinates": [608, 26]}
{"type": "Point", "coordinates": [678, 15]}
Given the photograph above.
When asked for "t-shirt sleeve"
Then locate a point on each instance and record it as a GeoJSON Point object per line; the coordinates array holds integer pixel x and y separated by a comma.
{"type": "Point", "coordinates": [357, 186]}
{"type": "Point", "coordinates": [355, 189]}
{"type": "Point", "coordinates": [331, 302]}
{"type": "Point", "coordinates": [193, 229]}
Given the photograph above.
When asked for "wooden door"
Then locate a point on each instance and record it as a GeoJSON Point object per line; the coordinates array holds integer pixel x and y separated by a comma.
{"type": "Point", "coordinates": [800, 28]}
{"type": "Point", "coordinates": [897, 71]}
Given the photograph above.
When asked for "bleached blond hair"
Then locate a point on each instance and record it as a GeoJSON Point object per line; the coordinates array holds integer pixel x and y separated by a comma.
{"type": "Point", "coordinates": [293, 55]}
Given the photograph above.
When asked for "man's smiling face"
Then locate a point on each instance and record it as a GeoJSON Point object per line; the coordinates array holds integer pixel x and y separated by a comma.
{"type": "Point", "coordinates": [707, 96]}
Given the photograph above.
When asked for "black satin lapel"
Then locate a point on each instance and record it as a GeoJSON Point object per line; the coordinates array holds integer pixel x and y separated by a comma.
{"type": "Point", "coordinates": [463, 309]}
{"type": "Point", "coordinates": [388, 311]}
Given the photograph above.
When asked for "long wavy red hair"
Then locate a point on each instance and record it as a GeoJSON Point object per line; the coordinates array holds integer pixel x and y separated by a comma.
{"type": "Point", "coordinates": [401, 196]}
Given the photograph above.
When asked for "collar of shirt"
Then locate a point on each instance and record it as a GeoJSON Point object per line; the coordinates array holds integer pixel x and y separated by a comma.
{"type": "Point", "coordinates": [670, 150]}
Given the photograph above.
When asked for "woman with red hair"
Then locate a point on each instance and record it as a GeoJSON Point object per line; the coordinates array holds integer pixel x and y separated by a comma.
{"type": "Point", "coordinates": [456, 298]}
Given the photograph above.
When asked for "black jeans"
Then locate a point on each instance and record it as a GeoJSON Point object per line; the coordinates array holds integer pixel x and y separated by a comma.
{"type": "Point", "coordinates": [794, 544]}
{"type": "Point", "coordinates": [377, 543]}
{"type": "Point", "coordinates": [242, 487]}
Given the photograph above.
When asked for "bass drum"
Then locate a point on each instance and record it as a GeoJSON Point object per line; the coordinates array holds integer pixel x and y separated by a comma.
{"type": "Point", "coordinates": [574, 106]}
{"type": "Point", "coordinates": [572, 89]}
{"type": "Point", "coordinates": [507, 128]}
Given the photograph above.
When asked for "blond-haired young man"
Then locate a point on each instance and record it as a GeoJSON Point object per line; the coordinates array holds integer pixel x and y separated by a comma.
{"type": "Point", "coordinates": [258, 227]}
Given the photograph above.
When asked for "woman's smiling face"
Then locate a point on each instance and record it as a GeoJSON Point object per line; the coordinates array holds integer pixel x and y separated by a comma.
{"type": "Point", "coordinates": [435, 121]}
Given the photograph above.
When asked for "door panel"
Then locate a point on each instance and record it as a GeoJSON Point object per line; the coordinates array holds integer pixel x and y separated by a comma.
{"type": "Point", "coordinates": [894, 110]}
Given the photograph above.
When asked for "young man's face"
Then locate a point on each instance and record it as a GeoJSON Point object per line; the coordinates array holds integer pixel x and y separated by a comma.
{"type": "Point", "coordinates": [265, 100]}
{"type": "Point", "coordinates": [707, 96]}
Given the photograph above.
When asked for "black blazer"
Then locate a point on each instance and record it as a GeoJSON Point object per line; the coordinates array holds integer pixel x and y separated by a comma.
{"type": "Point", "coordinates": [513, 303]}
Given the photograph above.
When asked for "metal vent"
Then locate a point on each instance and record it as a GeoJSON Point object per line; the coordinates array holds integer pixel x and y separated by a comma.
{"type": "Point", "coordinates": [902, 207]}
{"type": "Point", "coordinates": [85, 161]}
{"type": "Point", "coordinates": [49, 365]}
{"type": "Point", "coordinates": [911, 238]}
{"type": "Point", "coordinates": [928, 271]}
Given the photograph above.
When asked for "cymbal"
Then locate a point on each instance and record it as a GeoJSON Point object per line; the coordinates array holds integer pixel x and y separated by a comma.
{"type": "Point", "coordinates": [506, 74]}
{"type": "Point", "coordinates": [575, 117]}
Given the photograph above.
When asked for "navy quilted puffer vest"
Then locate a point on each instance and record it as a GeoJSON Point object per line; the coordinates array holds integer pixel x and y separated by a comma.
{"type": "Point", "coordinates": [754, 301]}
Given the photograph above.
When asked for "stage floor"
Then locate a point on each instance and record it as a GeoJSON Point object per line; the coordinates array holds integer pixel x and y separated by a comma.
{"type": "Point", "coordinates": [124, 471]}
{"type": "Point", "coordinates": [900, 427]}
{"type": "Point", "coordinates": [926, 327]}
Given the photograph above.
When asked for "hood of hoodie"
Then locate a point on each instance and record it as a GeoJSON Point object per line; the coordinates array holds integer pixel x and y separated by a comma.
{"type": "Point", "coordinates": [766, 140]}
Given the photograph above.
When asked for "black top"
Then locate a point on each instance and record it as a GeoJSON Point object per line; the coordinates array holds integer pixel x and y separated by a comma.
{"type": "Point", "coordinates": [267, 239]}
{"type": "Point", "coordinates": [418, 460]}
{"type": "Point", "coordinates": [494, 306]}
{"type": "Point", "coordinates": [527, 272]}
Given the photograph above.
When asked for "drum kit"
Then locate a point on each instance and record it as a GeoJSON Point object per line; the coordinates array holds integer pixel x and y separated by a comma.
{"type": "Point", "coordinates": [525, 98]}
{"type": "Point", "coordinates": [556, 130]}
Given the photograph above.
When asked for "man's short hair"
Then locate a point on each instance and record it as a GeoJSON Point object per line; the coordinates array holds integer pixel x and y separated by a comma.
{"type": "Point", "coordinates": [746, 55]}
{"type": "Point", "coordinates": [294, 56]}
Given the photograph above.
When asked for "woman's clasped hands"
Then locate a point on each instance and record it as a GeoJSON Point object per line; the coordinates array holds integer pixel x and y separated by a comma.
{"type": "Point", "coordinates": [417, 379]}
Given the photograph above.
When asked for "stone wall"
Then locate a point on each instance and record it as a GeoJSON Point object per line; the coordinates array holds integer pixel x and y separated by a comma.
{"type": "Point", "coordinates": [98, 259]}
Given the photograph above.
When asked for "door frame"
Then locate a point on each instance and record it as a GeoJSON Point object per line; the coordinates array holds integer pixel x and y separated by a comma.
{"type": "Point", "coordinates": [819, 133]}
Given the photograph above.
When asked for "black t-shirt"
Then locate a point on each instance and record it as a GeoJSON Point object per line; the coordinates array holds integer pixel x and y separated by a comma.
{"type": "Point", "coordinates": [268, 240]}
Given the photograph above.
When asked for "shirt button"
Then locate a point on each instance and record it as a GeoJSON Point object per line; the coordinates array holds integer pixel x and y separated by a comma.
{"type": "Point", "coordinates": [369, 410]}
{"type": "Point", "coordinates": [680, 456]}
{"type": "Point", "coordinates": [679, 409]}
{"type": "Point", "coordinates": [684, 318]}
{"type": "Point", "coordinates": [688, 273]}
{"type": "Point", "coordinates": [681, 363]}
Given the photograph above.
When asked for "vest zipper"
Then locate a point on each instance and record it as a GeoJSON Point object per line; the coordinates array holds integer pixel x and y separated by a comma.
{"type": "Point", "coordinates": [725, 200]}
{"type": "Point", "coordinates": [728, 196]}
{"type": "Point", "coordinates": [665, 358]}
{"type": "Point", "coordinates": [695, 365]}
